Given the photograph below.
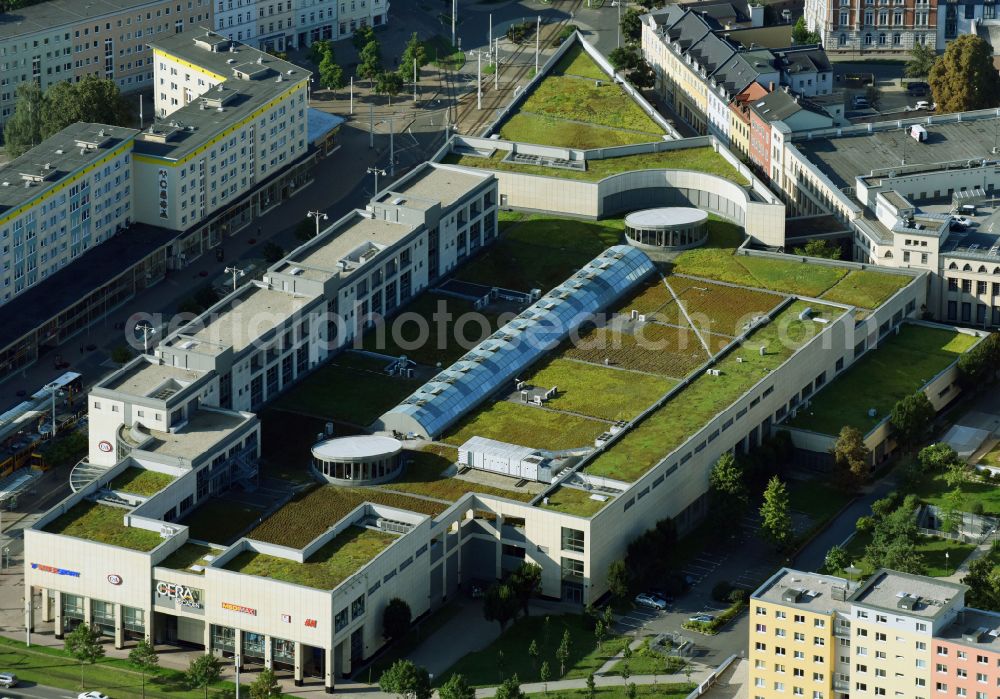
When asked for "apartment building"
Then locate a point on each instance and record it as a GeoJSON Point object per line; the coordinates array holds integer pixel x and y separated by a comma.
{"type": "Point", "coordinates": [353, 14]}
{"type": "Point", "coordinates": [771, 117]}
{"type": "Point", "coordinates": [896, 634]}
{"type": "Point", "coordinates": [700, 71]}
{"type": "Point", "coordinates": [67, 40]}
{"type": "Point", "coordinates": [231, 116]}
{"type": "Point", "coordinates": [68, 194]}
{"type": "Point", "coordinates": [274, 25]}
{"type": "Point", "coordinates": [237, 19]}
{"type": "Point", "coordinates": [315, 20]}
{"type": "Point", "coordinates": [882, 26]}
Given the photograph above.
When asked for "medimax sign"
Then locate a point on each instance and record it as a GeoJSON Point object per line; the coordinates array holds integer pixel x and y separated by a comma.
{"type": "Point", "coordinates": [179, 596]}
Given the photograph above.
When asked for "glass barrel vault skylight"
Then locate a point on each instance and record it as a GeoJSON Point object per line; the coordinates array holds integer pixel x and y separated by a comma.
{"type": "Point", "coordinates": [440, 402]}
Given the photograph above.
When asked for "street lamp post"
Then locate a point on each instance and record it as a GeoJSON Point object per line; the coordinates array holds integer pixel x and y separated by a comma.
{"type": "Point", "coordinates": [538, 32]}
{"type": "Point", "coordinates": [352, 94]}
{"type": "Point", "coordinates": [479, 80]}
{"type": "Point", "coordinates": [496, 75]}
{"type": "Point", "coordinates": [236, 272]}
{"type": "Point", "coordinates": [53, 390]}
{"type": "Point", "coordinates": [371, 125]}
{"type": "Point", "coordinates": [376, 171]}
{"type": "Point", "coordinates": [392, 147]}
{"type": "Point", "coordinates": [146, 330]}
{"type": "Point", "coordinates": [319, 216]}
{"type": "Point", "coordinates": [454, 15]}
{"type": "Point", "coordinates": [618, 4]}
{"type": "Point", "coordinates": [237, 659]}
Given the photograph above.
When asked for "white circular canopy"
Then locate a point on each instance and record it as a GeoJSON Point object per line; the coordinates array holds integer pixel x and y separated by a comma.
{"type": "Point", "coordinates": [665, 216]}
{"type": "Point", "coordinates": [357, 447]}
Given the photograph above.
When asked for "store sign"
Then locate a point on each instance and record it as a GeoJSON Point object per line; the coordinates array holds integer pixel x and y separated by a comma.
{"type": "Point", "coordinates": [239, 608]}
{"type": "Point", "coordinates": [105, 446]}
{"type": "Point", "coordinates": [115, 579]}
{"type": "Point", "coordinates": [179, 595]}
{"type": "Point", "coordinates": [311, 623]}
{"type": "Point", "coordinates": [161, 179]}
{"type": "Point", "coordinates": [54, 570]}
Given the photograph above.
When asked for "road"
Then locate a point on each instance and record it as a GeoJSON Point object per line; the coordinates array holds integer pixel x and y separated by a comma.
{"type": "Point", "coordinates": [38, 691]}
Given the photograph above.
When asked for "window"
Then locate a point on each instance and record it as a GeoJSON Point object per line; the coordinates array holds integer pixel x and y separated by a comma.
{"type": "Point", "coordinates": [572, 540]}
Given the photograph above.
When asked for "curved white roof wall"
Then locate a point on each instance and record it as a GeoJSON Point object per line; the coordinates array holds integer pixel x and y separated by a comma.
{"type": "Point", "coordinates": [443, 400]}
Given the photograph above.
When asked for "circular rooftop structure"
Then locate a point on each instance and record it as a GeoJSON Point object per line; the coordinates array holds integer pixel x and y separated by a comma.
{"type": "Point", "coordinates": [667, 228]}
{"type": "Point", "coordinates": [358, 460]}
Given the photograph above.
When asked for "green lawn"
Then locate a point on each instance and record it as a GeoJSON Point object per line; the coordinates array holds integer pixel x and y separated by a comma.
{"type": "Point", "coordinates": [339, 558]}
{"type": "Point", "coordinates": [574, 501]}
{"type": "Point", "coordinates": [576, 62]}
{"type": "Point", "coordinates": [900, 366]}
{"type": "Point", "coordinates": [311, 513]}
{"type": "Point", "coordinates": [188, 555]}
{"type": "Point", "coordinates": [716, 260]}
{"type": "Point", "coordinates": [931, 488]}
{"type": "Point", "coordinates": [932, 549]}
{"type": "Point", "coordinates": [541, 252]}
{"type": "Point", "coordinates": [441, 52]}
{"type": "Point", "coordinates": [597, 391]}
{"type": "Point", "coordinates": [103, 524]}
{"type": "Point", "coordinates": [701, 159]}
{"type": "Point", "coordinates": [866, 288]}
{"type": "Point", "coordinates": [221, 521]}
{"type": "Point", "coordinates": [422, 476]}
{"type": "Point", "coordinates": [55, 668]}
{"type": "Point", "coordinates": [140, 481]}
{"type": "Point", "coordinates": [992, 457]}
{"type": "Point", "coordinates": [560, 133]}
{"type": "Point", "coordinates": [706, 396]}
{"type": "Point", "coordinates": [567, 97]}
{"type": "Point", "coordinates": [427, 329]}
{"type": "Point", "coordinates": [481, 668]}
{"type": "Point", "coordinates": [528, 426]}
{"type": "Point", "coordinates": [350, 388]}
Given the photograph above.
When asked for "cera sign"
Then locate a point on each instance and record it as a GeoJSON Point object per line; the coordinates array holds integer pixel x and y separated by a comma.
{"type": "Point", "coordinates": [176, 595]}
{"type": "Point", "coordinates": [239, 608]}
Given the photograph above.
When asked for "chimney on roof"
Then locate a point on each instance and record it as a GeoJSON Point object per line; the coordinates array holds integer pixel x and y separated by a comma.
{"type": "Point", "coordinates": [770, 86]}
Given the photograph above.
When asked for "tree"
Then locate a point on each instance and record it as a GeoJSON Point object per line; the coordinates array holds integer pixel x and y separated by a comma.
{"type": "Point", "coordinates": [591, 686]}
{"type": "Point", "coordinates": [624, 57]}
{"type": "Point", "coordinates": [599, 633]}
{"type": "Point", "coordinates": [977, 367]}
{"type": "Point", "coordinates": [272, 252]}
{"type": "Point", "coordinates": [500, 605]}
{"type": "Point", "coordinates": [951, 510]}
{"type": "Point", "coordinates": [776, 518]}
{"type": "Point", "coordinates": [894, 536]}
{"type": "Point", "coordinates": [937, 457]}
{"type": "Point", "coordinates": [331, 75]}
{"type": "Point", "coordinates": [820, 248]}
{"type": "Point", "coordinates": [362, 37]}
{"type": "Point", "coordinates": [836, 559]}
{"type": "Point", "coordinates": [533, 652]}
{"type": "Point", "coordinates": [911, 418]}
{"type": "Point", "coordinates": [562, 653]}
{"type": "Point", "coordinates": [851, 458]}
{"type": "Point", "coordinates": [984, 584]}
{"type": "Point", "coordinates": [406, 679]}
{"type": "Point", "coordinates": [203, 671]}
{"type": "Point", "coordinates": [618, 579]}
{"type": "Point", "coordinates": [957, 474]}
{"type": "Point", "coordinates": [318, 50]}
{"type": "Point", "coordinates": [144, 658]}
{"type": "Point", "coordinates": [510, 689]}
{"type": "Point", "coordinates": [874, 96]}
{"type": "Point", "coordinates": [265, 686]}
{"type": "Point", "coordinates": [414, 51]}
{"type": "Point", "coordinates": [544, 674]}
{"type": "Point", "coordinates": [370, 61]}
{"type": "Point", "coordinates": [457, 687]}
{"type": "Point", "coordinates": [801, 34]}
{"type": "Point", "coordinates": [396, 619]}
{"type": "Point", "coordinates": [964, 78]}
{"type": "Point", "coordinates": [642, 76]}
{"type": "Point", "coordinates": [626, 671]}
{"type": "Point", "coordinates": [727, 491]}
{"type": "Point", "coordinates": [631, 25]}
{"type": "Point", "coordinates": [524, 582]}
{"type": "Point", "coordinates": [921, 61]}
{"type": "Point", "coordinates": [631, 691]}
{"type": "Point", "coordinates": [23, 130]}
{"type": "Point", "coordinates": [388, 83]}
{"type": "Point", "coordinates": [120, 354]}
{"type": "Point", "coordinates": [306, 230]}
{"type": "Point", "coordinates": [84, 644]}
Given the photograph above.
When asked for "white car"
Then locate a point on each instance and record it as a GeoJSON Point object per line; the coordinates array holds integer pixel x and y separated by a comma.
{"type": "Point", "coordinates": [92, 695]}
{"type": "Point", "coordinates": [961, 221]}
{"type": "Point", "coordinates": [922, 104]}
{"type": "Point", "coordinates": [644, 600]}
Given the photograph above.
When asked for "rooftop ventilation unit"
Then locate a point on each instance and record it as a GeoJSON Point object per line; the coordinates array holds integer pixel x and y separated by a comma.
{"type": "Point", "coordinates": [791, 594]}
{"type": "Point", "coordinates": [908, 602]}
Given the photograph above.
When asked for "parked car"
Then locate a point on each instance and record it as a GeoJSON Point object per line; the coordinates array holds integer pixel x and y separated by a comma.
{"type": "Point", "coordinates": [917, 89]}
{"type": "Point", "coordinates": [960, 221]}
{"type": "Point", "coordinates": [860, 102]}
{"type": "Point", "coordinates": [645, 600]}
{"type": "Point", "coordinates": [91, 695]}
{"type": "Point", "coordinates": [662, 594]}
{"type": "Point", "coordinates": [703, 618]}
{"type": "Point", "coordinates": [922, 104]}
{"type": "Point", "coordinates": [965, 210]}
{"type": "Point", "coordinates": [8, 680]}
